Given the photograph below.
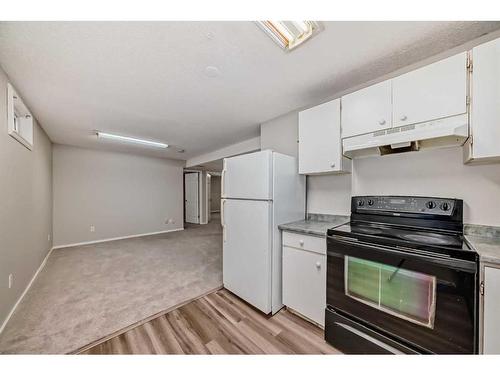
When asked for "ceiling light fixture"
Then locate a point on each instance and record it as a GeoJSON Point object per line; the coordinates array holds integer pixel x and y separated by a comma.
{"type": "Point", "coordinates": [289, 34]}
{"type": "Point", "coordinates": [130, 140]}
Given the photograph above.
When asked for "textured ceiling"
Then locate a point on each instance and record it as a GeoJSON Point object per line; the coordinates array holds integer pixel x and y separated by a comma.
{"type": "Point", "coordinates": [149, 79]}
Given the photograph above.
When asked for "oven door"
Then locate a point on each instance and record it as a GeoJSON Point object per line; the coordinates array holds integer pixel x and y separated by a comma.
{"type": "Point", "coordinates": [423, 301]}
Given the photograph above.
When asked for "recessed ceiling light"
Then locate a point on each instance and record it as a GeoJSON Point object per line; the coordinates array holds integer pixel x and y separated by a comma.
{"type": "Point", "coordinates": [122, 138]}
{"type": "Point", "coordinates": [212, 71]}
{"type": "Point", "coordinates": [289, 34]}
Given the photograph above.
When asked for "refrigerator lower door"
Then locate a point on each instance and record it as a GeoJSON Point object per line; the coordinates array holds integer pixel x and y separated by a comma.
{"type": "Point", "coordinates": [247, 248]}
{"type": "Point", "coordinates": [248, 176]}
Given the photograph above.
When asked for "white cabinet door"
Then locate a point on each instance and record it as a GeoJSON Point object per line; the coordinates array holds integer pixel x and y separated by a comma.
{"type": "Point", "coordinates": [491, 315]}
{"type": "Point", "coordinates": [319, 140]}
{"type": "Point", "coordinates": [367, 110]}
{"type": "Point", "coordinates": [485, 111]}
{"type": "Point", "coordinates": [435, 91]}
{"type": "Point", "coordinates": [304, 283]}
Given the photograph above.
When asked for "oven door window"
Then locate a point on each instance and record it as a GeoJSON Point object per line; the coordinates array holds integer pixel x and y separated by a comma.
{"type": "Point", "coordinates": [406, 294]}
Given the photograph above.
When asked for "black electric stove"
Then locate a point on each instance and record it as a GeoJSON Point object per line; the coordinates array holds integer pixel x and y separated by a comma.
{"type": "Point", "coordinates": [401, 278]}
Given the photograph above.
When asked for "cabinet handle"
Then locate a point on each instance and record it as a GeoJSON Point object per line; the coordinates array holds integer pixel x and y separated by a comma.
{"type": "Point", "coordinates": [332, 165]}
{"type": "Point", "coordinates": [403, 118]}
{"type": "Point", "coordinates": [318, 265]}
{"type": "Point", "coordinates": [301, 242]}
{"type": "Point", "coordinates": [382, 122]}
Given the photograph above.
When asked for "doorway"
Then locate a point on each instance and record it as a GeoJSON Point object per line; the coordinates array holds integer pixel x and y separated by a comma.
{"type": "Point", "coordinates": [191, 197]}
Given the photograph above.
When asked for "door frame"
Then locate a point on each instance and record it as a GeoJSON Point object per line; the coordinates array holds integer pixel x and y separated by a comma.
{"type": "Point", "coordinates": [186, 171]}
{"type": "Point", "coordinates": [208, 187]}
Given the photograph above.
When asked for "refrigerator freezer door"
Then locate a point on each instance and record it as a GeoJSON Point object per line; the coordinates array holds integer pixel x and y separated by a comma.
{"type": "Point", "coordinates": [247, 232]}
{"type": "Point", "coordinates": [248, 176]}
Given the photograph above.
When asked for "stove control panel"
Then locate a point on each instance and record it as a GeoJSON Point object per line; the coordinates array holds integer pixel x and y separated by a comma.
{"type": "Point", "coordinates": [397, 204]}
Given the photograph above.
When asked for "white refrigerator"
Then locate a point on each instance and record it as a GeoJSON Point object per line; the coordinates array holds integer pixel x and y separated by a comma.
{"type": "Point", "coordinates": [259, 192]}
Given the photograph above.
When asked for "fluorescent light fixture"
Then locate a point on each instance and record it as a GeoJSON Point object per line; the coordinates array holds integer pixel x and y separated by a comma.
{"type": "Point", "coordinates": [289, 34]}
{"type": "Point", "coordinates": [131, 140]}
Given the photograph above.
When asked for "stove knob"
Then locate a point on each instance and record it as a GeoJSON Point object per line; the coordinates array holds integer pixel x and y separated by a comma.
{"type": "Point", "coordinates": [361, 203]}
{"type": "Point", "coordinates": [370, 202]}
{"type": "Point", "coordinates": [430, 204]}
{"type": "Point", "coordinates": [445, 206]}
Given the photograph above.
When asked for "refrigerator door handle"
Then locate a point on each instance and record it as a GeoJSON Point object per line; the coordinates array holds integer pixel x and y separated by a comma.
{"type": "Point", "coordinates": [223, 223]}
{"type": "Point", "coordinates": [223, 173]}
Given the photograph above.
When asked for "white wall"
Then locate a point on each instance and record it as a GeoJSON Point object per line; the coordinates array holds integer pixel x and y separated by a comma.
{"type": "Point", "coordinates": [120, 194]}
{"type": "Point", "coordinates": [25, 207]}
{"type": "Point", "coordinates": [439, 172]}
{"type": "Point", "coordinates": [281, 134]}
{"type": "Point", "coordinates": [243, 147]}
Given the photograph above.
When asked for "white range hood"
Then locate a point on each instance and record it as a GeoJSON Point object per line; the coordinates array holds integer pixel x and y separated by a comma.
{"type": "Point", "coordinates": [451, 131]}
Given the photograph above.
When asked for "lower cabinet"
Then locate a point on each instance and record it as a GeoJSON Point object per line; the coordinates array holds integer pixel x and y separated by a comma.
{"type": "Point", "coordinates": [304, 282]}
{"type": "Point", "coordinates": [491, 311]}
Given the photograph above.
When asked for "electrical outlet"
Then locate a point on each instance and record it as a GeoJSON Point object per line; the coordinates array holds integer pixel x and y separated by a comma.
{"type": "Point", "coordinates": [92, 228]}
{"type": "Point", "coordinates": [11, 280]}
{"type": "Point", "coordinates": [48, 237]}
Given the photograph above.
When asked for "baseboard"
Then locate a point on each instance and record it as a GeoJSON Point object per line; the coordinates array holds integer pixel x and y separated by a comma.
{"type": "Point", "coordinates": [116, 238]}
{"type": "Point", "coordinates": [4, 324]}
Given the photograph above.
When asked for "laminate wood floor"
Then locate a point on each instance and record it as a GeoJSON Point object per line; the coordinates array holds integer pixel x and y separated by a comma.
{"type": "Point", "coordinates": [218, 323]}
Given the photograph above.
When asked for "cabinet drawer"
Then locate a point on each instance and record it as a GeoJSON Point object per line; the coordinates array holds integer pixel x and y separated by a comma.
{"type": "Point", "coordinates": [302, 241]}
{"type": "Point", "coordinates": [304, 283]}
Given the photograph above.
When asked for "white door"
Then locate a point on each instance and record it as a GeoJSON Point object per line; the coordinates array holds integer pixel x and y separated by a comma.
{"type": "Point", "coordinates": [485, 116]}
{"type": "Point", "coordinates": [248, 176]}
{"type": "Point", "coordinates": [209, 197]}
{"type": "Point", "coordinates": [247, 237]}
{"type": "Point", "coordinates": [435, 91]}
{"type": "Point", "coordinates": [367, 110]}
{"type": "Point", "coordinates": [319, 139]}
{"type": "Point", "coordinates": [491, 325]}
{"type": "Point", "coordinates": [191, 198]}
{"type": "Point", "coordinates": [304, 283]}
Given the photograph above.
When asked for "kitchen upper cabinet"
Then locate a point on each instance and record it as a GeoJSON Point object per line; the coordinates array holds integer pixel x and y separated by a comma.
{"type": "Point", "coordinates": [485, 106]}
{"type": "Point", "coordinates": [435, 91]}
{"type": "Point", "coordinates": [304, 275]}
{"type": "Point", "coordinates": [491, 311]}
{"type": "Point", "coordinates": [367, 110]}
{"type": "Point", "coordinates": [320, 148]}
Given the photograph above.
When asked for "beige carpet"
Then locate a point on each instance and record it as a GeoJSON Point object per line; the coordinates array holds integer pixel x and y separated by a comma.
{"type": "Point", "coordinates": [88, 292]}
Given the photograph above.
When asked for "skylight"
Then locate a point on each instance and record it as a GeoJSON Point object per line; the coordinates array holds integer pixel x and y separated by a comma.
{"type": "Point", "coordinates": [289, 34]}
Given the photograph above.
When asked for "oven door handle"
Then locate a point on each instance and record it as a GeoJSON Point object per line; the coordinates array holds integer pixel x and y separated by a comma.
{"type": "Point", "coordinates": [448, 262]}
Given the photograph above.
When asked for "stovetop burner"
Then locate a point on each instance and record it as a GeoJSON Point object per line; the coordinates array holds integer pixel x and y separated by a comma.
{"type": "Point", "coordinates": [414, 235]}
